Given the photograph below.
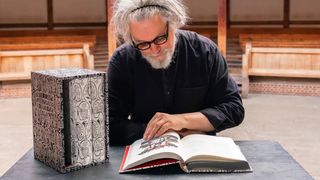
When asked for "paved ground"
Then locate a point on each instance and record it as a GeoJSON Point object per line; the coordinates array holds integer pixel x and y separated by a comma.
{"type": "Point", "coordinates": [293, 121]}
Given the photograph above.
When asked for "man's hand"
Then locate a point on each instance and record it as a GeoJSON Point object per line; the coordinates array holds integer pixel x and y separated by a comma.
{"type": "Point", "coordinates": [162, 122]}
{"type": "Point", "coordinates": [194, 123]}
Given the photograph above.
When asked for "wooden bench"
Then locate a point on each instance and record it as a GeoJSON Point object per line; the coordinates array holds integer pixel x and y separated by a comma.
{"type": "Point", "coordinates": [296, 56]}
{"type": "Point", "coordinates": [17, 64]}
{"type": "Point", "coordinates": [21, 55]}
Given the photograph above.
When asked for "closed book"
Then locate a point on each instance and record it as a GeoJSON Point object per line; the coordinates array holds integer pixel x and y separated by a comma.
{"type": "Point", "coordinates": [70, 118]}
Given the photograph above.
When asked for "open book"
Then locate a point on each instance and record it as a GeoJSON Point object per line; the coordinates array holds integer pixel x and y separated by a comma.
{"type": "Point", "coordinates": [194, 153]}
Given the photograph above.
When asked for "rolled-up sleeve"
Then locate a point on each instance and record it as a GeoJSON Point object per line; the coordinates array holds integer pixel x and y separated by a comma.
{"type": "Point", "coordinates": [224, 105]}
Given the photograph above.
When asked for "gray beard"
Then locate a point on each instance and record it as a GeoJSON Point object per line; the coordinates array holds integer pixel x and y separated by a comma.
{"type": "Point", "coordinates": [156, 64]}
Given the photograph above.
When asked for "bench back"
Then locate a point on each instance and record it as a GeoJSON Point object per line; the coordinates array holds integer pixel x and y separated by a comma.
{"type": "Point", "coordinates": [17, 64]}
{"type": "Point", "coordinates": [46, 42]}
{"type": "Point", "coordinates": [280, 40]}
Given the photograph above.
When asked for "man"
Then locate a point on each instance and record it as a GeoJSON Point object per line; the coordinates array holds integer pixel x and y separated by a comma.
{"type": "Point", "coordinates": [165, 79]}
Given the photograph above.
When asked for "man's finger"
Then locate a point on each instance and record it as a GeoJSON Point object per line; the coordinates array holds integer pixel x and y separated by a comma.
{"type": "Point", "coordinates": [154, 128]}
{"type": "Point", "coordinates": [164, 128]}
{"type": "Point", "coordinates": [151, 127]}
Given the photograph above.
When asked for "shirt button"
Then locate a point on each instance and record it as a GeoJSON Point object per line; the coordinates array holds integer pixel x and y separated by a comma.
{"type": "Point", "coordinates": [168, 92]}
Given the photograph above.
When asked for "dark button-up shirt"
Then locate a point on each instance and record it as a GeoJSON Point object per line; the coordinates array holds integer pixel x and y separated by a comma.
{"type": "Point", "coordinates": [197, 80]}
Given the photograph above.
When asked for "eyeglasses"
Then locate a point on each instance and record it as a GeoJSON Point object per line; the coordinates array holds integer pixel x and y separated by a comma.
{"type": "Point", "coordinates": [159, 40]}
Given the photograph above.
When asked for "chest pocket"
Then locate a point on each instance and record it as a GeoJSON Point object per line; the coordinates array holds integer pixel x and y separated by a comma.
{"type": "Point", "coordinates": [190, 99]}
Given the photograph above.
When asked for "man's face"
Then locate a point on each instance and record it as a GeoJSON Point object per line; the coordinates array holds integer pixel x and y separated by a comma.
{"type": "Point", "coordinates": [156, 40]}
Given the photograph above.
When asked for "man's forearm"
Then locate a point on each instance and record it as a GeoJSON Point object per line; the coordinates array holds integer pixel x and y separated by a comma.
{"type": "Point", "coordinates": [197, 121]}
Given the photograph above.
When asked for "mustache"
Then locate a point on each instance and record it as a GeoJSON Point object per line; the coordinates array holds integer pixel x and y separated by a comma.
{"type": "Point", "coordinates": [163, 51]}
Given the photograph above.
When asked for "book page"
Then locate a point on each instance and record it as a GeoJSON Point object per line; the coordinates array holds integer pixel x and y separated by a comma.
{"type": "Point", "coordinates": [141, 151]}
{"type": "Point", "coordinates": [200, 147]}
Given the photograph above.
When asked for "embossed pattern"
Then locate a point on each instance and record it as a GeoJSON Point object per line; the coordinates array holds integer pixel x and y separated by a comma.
{"type": "Point", "coordinates": [86, 120]}
{"type": "Point", "coordinates": [70, 123]}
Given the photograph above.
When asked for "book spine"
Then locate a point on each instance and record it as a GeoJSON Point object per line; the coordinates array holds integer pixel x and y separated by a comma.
{"type": "Point", "coordinates": [80, 121]}
{"type": "Point", "coordinates": [98, 118]}
{"type": "Point", "coordinates": [184, 167]}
